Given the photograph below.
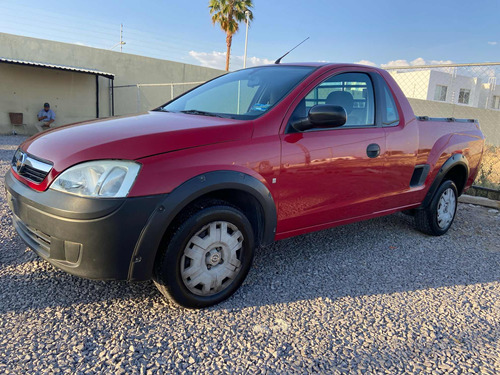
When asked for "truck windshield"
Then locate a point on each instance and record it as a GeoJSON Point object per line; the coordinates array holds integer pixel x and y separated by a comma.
{"type": "Point", "coordinates": [245, 94]}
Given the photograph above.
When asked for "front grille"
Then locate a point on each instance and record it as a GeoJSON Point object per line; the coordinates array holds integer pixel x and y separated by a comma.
{"type": "Point", "coordinates": [32, 174]}
{"type": "Point", "coordinates": [29, 167]}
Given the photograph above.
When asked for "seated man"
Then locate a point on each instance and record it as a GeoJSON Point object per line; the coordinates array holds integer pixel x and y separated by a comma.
{"type": "Point", "coordinates": [46, 116]}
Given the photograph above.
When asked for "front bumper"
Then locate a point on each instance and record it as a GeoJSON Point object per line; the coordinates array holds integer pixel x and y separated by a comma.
{"type": "Point", "coordinates": [87, 237]}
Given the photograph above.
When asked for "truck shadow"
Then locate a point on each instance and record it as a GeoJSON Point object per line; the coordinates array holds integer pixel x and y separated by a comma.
{"type": "Point", "coordinates": [379, 256]}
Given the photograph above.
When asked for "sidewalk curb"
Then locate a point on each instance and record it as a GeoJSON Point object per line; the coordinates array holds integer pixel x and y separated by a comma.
{"type": "Point", "coordinates": [480, 201]}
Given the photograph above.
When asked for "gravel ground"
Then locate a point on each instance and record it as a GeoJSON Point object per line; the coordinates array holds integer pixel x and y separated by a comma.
{"type": "Point", "coordinates": [371, 297]}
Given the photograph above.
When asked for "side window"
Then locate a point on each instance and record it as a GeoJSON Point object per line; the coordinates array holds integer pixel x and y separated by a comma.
{"type": "Point", "coordinates": [353, 91]}
{"type": "Point", "coordinates": [389, 111]}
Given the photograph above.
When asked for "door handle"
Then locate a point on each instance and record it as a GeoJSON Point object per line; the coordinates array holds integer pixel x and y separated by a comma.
{"type": "Point", "coordinates": [373, 150]}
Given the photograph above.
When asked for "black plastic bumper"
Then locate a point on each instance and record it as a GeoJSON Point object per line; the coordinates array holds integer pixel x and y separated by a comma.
{"type": "Point", "coordinates": [91, 238]}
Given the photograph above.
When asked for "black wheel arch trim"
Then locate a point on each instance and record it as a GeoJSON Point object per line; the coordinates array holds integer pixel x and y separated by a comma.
{"type": "Point", "coordinates": [142, 262]}
{"type": "Point", "coordinates": [453, 161]}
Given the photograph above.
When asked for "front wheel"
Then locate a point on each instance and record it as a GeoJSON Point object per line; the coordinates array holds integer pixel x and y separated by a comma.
{"type": "Point", "coordinates": [438, 217]}
{"type": "Point", "coordinates": [207, 258]}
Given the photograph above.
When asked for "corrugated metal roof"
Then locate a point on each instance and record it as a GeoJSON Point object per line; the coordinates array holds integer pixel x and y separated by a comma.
{"type": "Point", "coordinates": [56, 66]}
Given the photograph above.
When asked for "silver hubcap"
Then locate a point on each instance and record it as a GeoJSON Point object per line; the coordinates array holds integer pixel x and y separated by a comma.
{"type": "Point", "coordinates": [212, 258]}
{"type": "Point", "coordinates": [446, 208]}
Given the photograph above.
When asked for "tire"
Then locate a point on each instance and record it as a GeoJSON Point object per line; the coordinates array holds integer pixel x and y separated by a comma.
{"type": "Point", "coordinates": [207, 257]}
{"type": "Point", "coordinates": [438, 217]}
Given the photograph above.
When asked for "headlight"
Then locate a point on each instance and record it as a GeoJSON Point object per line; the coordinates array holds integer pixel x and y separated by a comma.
{"type": "Point", "coordinates": [99, 179]}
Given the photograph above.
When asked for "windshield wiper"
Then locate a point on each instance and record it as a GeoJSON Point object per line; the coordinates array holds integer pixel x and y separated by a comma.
{"type": "Point", "coordinates": [201, 113]}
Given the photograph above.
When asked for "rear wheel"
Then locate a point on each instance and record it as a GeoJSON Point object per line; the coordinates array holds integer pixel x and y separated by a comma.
{"type": "Point", "coordinates": [438, 217]}
{"type": "Point", "coordinates": [207, 258]}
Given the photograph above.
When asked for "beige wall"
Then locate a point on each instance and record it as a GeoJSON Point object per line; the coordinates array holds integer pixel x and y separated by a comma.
{"type": "Point", "coordinates": [489, 119]}
{"type": "Point", "coordinates": [24, 89]}
{"type": "Point", "coordinates": [72, 95]}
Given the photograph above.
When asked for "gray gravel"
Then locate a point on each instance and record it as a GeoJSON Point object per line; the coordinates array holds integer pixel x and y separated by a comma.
{"type": "Point", "coordinates": [371, 297]}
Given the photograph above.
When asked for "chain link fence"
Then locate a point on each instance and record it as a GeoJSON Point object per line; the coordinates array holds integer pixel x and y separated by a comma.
{"type": "Point", "coordinates": [143, 97]}
{"type": "Point", "coordinates": [460, 91]}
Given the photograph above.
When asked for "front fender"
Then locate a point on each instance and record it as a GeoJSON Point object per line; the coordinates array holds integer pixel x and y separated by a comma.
{"type": "Point", "coordinates": [142, 262]}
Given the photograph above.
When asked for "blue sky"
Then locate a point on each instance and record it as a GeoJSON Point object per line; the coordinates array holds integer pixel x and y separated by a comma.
{"type": "Point", "coordinates": [379, 32]}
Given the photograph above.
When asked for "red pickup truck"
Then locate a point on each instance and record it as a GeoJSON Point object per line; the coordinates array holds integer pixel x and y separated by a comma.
{"type": "Point", "coordinates": [184, 193]}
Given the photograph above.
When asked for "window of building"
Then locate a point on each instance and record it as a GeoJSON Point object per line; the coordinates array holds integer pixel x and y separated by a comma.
{"type": "Point", "coordinates": [495, 104]}
{"type": "Point", "coordinates": [463, 96]}
{"type": "Point", "coordinates": [440, 93]}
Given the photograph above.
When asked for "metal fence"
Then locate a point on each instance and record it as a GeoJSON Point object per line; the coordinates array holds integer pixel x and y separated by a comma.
{"type": "Point", "coordinates": [142, 97]}
{"type": "Point", "coordinates": [460, 91]}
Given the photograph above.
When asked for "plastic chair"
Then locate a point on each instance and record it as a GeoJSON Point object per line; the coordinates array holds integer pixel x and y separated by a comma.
{"type": "Point", "coordinates": [16, 120]}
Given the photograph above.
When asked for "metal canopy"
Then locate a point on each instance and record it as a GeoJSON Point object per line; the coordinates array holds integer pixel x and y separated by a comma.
{"type": "Point", "coordinates": [58, 67]}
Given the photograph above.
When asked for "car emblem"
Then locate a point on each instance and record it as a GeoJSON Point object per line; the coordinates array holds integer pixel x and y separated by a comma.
{"type": "Point", "coordinates": [21, 161]}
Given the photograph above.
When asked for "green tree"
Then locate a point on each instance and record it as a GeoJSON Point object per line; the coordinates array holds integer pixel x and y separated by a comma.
{"type": "Point", "coordinates": [228, 14]}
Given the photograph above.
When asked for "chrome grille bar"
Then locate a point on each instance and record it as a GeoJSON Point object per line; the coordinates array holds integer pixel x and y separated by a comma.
{"type": "Point", "coordinates": [29, 167]}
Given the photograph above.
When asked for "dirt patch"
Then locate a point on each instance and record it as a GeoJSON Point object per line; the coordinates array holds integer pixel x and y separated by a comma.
{"type": "Point", "coordinates": [489, 174]}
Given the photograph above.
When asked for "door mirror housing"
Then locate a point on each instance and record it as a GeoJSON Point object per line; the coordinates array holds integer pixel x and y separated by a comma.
{"type": "Point", "coordinates": [327, 116]}
{"type": "Point", "coordinates": [322, 116]}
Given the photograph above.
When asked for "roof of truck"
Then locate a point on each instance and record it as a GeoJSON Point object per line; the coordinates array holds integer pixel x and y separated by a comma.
{"type": "Point", "coordinates": [321, 64]}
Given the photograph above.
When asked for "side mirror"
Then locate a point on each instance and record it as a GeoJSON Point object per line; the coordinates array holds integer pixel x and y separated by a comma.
{"type": "Point", "coordinates": [323, 116]}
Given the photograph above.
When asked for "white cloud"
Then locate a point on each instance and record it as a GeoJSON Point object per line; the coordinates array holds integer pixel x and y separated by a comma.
{"type": "Point", "coordinates": [417, 62]}
{"type": "Point", "coordinates": [366, 62]}
{"type": "Point", "coordinates": [492, 43]}
{"type": "Point", "coordinates": [217, 60]}
{"type": "Point", "coordinates": [440, 62]}
{"type": "Point", "coordinates": [396, 63]}
{"type": "Point", "coordinates": [253, 61]}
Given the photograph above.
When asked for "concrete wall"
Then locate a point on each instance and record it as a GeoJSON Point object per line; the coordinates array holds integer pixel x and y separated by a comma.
{"type": "Point", "coordinates": [72, 95]}
{"type": "Point", "coordinates": [489, 119]}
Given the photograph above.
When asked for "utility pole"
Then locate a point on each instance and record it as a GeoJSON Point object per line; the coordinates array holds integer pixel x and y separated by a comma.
{"type": "Point", "coordinates": [121, 37]}
{"type": "Point", "coordinates": [247, 15]}
{"type": "Point", "coordinates": [121, 43]}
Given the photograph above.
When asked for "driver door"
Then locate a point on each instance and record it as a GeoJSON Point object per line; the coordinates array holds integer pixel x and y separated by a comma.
{"type": "Point", "coordinates": [332, 175]}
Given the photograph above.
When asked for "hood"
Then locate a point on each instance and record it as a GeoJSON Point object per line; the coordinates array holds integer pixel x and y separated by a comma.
{"type": "Point", "coordinates": [133, 137]}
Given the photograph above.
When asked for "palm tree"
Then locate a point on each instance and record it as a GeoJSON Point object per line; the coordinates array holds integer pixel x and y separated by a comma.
{"type": "Point", "coordinates": [228, 14]}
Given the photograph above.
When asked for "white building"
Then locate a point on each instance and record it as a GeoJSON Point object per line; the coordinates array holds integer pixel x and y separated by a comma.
{"type": "Point", "coordinates": [490, 95]}
{"type": "Point", "coordinates": [441, 86]}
